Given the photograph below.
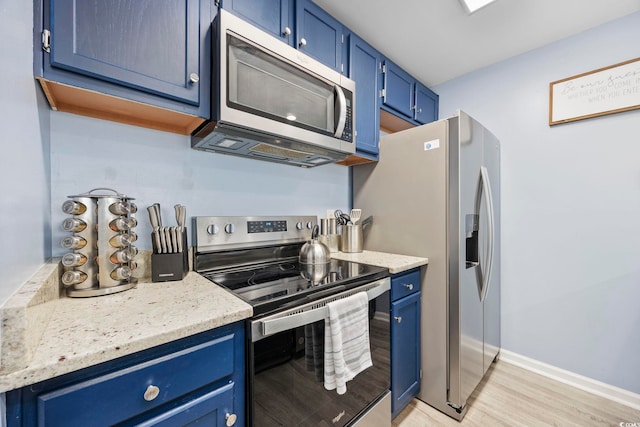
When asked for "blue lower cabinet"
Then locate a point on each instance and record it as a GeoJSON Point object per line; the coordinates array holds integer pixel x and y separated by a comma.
{"type": "Point", "coordinates": [197, 379]}
{"type": "Point", "coordinates": [405, 340]}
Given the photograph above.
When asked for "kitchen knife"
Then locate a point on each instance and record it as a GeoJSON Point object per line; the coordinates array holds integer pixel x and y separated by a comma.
{"type": "Point", "coordinates": [167, 231]}
{"type": "Point", "coordinates": [181, 215]}
{"type": "Point", "coordinates": [163, 240]}
{"type": "Point", "coordinates": [156, 206]}
{"type": "Point", "coordinates": [153, 218]}
{"type": "Point", "coordinates": [176, 239]}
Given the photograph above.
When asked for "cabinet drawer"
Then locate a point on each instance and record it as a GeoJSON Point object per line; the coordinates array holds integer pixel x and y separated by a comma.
{"type": "Point", "coordinates": [405, 284]}
{"type": "Point", "coordinates": [118, 396]}
{"type": "Point", "coordinates": [211, 409]}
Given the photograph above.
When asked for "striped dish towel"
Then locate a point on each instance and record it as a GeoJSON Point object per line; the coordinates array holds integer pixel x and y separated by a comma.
{"type": "Point", "coordinates": [346, 341]}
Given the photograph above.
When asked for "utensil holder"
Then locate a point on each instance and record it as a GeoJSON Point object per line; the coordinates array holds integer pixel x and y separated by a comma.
{"type": "Point", "coordinates": [351, 240]}
{"type": "Point", "coordinates": [173, 266]}
{"type": "Point", "coordinates": [102, 254]}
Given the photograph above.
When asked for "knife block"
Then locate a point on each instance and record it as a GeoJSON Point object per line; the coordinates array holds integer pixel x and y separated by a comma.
{"type": "Point", "coordinates": [169, 267]}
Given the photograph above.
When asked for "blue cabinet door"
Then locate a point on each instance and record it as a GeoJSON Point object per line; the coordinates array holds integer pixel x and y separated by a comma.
{"type": "Point", "coordinates": [426, 105]}
{"type": "Point", "coordinates": [405, 351]}
{"type": "Point", "coordinates": [138, 44]}
{"type": "Point", "coordinates": [364, 69]}
{"type": "Point", "coordinates": [318, 34]}
{"type": "Point", "coordinates": [399, 90]}
{"type": "Point", "coordinates": [273, 16]}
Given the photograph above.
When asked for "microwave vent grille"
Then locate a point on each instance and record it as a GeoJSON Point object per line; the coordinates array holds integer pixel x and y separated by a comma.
{"type": "Point", "coordinates": [277, 151]}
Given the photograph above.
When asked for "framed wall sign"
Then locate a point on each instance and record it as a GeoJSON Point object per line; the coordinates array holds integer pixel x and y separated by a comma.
{"type": "Point", "coordinates": [603, 91]}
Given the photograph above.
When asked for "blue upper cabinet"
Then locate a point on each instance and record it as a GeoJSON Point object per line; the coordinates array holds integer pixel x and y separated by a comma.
{"type": "Point", "coordinates": [319, 35]}
{"type": "Point", "coordinates": [155, 56]}
{"type": "Point", "coordinates": [364, 69]}
{"type": "Point", "coordinates": [273, 16]}
{"type": "Point", "coordinates": [398, 89]}
{"type": "Point", "coordinates": [426, 110]}
{"type": "Point", "coordinates": [406, 97]}
{"type": "Point", "coordinates": [136, 44]}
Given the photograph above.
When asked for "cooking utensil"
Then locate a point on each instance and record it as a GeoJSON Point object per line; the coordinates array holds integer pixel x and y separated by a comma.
{"type": "Point", "coordinates": [341, 217]}
{"type": "Point", "coordinates": [355, 215]}
{"type": "Point", "coordinates": [367, 221]}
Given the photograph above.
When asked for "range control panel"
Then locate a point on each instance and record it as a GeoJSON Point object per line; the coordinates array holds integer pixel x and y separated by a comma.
{"type": "Point", "coordinates": [215, 233]}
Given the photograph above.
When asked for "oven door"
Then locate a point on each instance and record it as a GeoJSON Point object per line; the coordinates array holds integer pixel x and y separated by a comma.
{"type": "Point", "coordinates": [285, 381]}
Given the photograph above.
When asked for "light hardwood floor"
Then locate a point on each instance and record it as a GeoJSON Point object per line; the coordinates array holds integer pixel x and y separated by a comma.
{"type": "Point", "coordinates": [512, 396]}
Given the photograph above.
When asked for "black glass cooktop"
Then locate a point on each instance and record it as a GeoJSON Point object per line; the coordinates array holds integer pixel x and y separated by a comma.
{"type": "Point", "coordinates": [283, 284]}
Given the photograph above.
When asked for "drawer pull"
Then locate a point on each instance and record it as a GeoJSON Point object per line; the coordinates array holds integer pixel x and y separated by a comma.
{"type": "Point", "coordinates": [409, 286]}
{"type": "Point", "coordinates": [151, 393]}
{"type": "Point", "coordinates": [231, 419]}
{"type": "Point", "coordinates": [398, 319]}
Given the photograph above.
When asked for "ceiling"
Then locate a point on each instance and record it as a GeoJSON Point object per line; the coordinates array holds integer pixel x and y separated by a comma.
{"type": "Point", "coordinates": [435, 40]}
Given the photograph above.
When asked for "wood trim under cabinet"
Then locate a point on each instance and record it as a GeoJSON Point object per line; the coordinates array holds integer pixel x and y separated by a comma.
{"type": "Point", "coordinates": [390, 123]}
{"type": "Point", "coordinates": [98, 105]}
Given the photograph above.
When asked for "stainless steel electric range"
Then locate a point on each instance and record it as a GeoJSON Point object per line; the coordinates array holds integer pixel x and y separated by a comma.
{"type": "Point", "coordinates": [256, 258]}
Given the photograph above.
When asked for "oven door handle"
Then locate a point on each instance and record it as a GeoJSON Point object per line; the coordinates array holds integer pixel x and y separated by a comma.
{"type": "Point", "coordinates": [279, 324]}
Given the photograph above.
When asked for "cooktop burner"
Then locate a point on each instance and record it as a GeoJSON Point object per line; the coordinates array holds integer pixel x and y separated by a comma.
{"type": "Point", "coordinates": [283, 284]}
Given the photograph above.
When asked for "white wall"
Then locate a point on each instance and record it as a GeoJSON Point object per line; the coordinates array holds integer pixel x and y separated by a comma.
{"type": "Point", "coordinates": [570, 208]}
{"type": "Point", "coordinates": [24, 161]}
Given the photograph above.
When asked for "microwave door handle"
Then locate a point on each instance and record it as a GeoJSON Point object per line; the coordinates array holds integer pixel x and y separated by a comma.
{"type": "Point", "coordinates": [342, 117]}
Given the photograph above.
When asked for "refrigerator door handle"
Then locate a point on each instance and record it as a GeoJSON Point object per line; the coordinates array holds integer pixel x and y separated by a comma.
{"type": "Point", "coordinates": [486, 189]}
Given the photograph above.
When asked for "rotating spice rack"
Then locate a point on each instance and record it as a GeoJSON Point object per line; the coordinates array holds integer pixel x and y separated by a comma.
{"type": "Point", "coordinates": [102, 256]}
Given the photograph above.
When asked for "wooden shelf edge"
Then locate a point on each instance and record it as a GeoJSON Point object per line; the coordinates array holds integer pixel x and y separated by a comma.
{"type": "Point", "coordinates": [84, 102]}
{"type": "Point", "coordinates": [355, 160]}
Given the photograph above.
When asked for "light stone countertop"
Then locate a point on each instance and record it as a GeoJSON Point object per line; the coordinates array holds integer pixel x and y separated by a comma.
{"type": "Point", "coordinates": [395, 263]}
{"type": "Point", "coordinates": [68, 334]}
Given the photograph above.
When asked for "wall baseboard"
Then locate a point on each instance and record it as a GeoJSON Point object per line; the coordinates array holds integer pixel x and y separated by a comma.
{"type": "Point", "coordinates": [589, 385]}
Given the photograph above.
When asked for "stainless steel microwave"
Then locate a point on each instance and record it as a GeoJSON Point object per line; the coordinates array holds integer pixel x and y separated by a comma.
{"type": "Point", "coordinates": [272, 102]}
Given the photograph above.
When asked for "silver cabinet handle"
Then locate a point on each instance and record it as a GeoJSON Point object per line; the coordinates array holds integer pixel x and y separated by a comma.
{"type": "Point", "coordinates": [303, 42]}
{"type": "Point", "coordinates": [231, 419]}
{"type": "Point", "coordinates": [409, 286]}
{"type": "Point", "coordinates": [194, 78]}
{"type": "Point", "coordinates": [151, 393]}
{"type": "Point", "coordinates": [398, 319]}
{"type": "Point", "coordinates": [286, 31]}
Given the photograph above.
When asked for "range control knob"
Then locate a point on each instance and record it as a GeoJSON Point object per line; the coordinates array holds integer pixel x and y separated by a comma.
{"type": "Point", "coordinates": [213, 229]}
{"type": "Point", "coordinates": [310, 225]}
{"type": "Point", "coordinates": [299, 225]}
{"type": "Point", "coordinates": [229, 228]}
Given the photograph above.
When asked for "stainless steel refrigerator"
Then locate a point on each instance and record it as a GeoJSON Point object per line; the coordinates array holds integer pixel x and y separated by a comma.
{"type": "Point", "coordinates": [435, 193]}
